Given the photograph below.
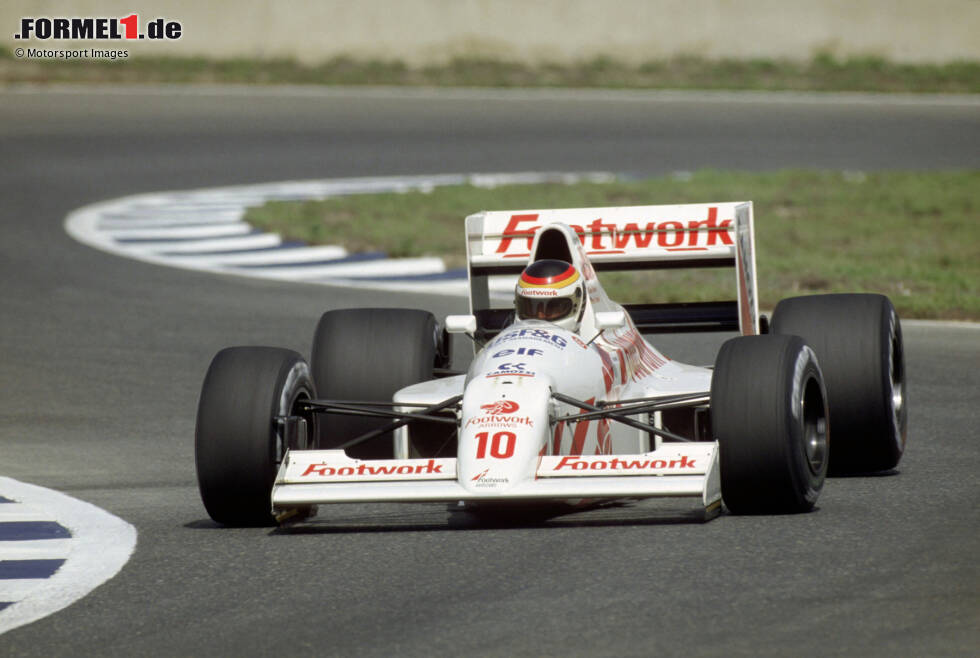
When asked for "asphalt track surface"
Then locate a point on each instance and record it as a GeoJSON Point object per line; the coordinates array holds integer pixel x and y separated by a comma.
{"type": "Point", "coordinates": [102, 360]}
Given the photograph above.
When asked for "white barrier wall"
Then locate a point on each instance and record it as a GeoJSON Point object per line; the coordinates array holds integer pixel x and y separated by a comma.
{"type": "Point", "coordinates": [432, 31]}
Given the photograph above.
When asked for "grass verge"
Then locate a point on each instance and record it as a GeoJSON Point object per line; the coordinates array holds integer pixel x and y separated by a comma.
{"type": "Point", "coordinates": [822, 73]}
{"type": "Point", "coordinates": [914, 236]}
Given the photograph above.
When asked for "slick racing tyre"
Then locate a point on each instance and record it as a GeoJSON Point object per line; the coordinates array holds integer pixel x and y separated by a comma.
{"type": "Point", "coordinates": [366, 355]}
{"type": "Point", "coordinates": [238, 446]}
{"type": "Point", "coordinates": [769, 415]}
{"type": "Point", "coordinates": [858, 341]}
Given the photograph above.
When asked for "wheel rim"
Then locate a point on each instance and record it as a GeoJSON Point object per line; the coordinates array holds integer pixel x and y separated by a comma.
{"type": "Point", "coordinates": [293, 408]}
{"type": "Point", "coordinates": [814, 426]}
{"type": "Point", "coordinates": [897, 377]}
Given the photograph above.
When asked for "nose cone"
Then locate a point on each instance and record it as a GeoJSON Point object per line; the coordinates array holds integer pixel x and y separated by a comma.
{"type": "Point", "coordinates": [505, 426]}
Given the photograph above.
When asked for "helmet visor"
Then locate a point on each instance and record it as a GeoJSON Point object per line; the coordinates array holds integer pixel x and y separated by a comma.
{"type": "Point", "coordinates": [551, 309]}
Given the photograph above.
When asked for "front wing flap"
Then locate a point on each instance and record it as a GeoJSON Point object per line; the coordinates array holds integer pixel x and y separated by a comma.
{"type": "Point", "coordinates": [314, 477]}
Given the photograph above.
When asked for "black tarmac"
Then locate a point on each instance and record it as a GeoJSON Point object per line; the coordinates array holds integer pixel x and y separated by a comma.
{"type": "Point", "coordinates": [101, 361]}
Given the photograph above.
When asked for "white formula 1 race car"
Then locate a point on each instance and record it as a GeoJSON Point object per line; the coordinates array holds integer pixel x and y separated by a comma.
{"type": "Point", "coordinates": [565, 400]}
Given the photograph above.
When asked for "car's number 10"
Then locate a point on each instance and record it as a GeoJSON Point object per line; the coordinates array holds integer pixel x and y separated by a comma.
{"type": "Point", "coordinates": [501, 445]}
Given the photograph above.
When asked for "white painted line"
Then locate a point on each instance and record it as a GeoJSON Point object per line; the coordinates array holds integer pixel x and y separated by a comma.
{"type": "Point", "coordinates": [37, 549]}
{"type": "Point", "coordinates": [272, 257]}
{"type": "Point", "coordinates": [257, 241]}
{"type": "Point", "coordinates": [133, 213]}
{"type": "Point", "coordinates": [10, 512]}
{"type": "Point", "coordinates": [100, 545]}
{"type": "Point", "coordinates": [387, 267]}
{"type": "Point", "coordinates": [160, 221]}
{"type": "Point", "coordinates": [182, 232]}
{"type": "Point", "coordinates": [18, 589]}
{"type": "Point", "coordinates": [134, 209]}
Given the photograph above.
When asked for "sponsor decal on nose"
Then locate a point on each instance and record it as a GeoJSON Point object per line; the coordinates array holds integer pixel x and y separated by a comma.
{"type": "Point", "coordinates": [500, 407]}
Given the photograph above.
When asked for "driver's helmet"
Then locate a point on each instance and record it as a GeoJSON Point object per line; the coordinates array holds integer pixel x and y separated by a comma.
{"type": "Point", "coordinates": [551, 290]}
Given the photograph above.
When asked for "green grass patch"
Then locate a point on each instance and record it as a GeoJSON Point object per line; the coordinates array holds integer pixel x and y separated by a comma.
{"type": "Point", "coordinates": [914, 236]}
{"type": "Point", "coordinates": [822, 73]}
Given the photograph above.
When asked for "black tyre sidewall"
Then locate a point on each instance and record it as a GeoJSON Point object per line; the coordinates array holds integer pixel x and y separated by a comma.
{"type": "Point", "coordinates": [237, 450]}
{"type": "Point", "coordinates": [858, 340]}
{"type": "Point", "coordinates": [756, 407]}
{"type": "Point", "coordinates": [368, 354]}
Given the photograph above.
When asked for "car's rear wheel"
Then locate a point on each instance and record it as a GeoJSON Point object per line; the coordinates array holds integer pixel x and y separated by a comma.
{"type": "Point", "coordinates": [239, 443]}
{"type": "Point", "coordinates": [367, 354]}
{"type": "Point", "coordinates": [769, 415]}
{"type": "Point", "coordinates": [858, 341]}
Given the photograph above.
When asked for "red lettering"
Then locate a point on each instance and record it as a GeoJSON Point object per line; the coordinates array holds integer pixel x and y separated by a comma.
{"type": "Point", "coordinates": [511, 231]}
{"type": "Point", "coordinates": [505, 451]}
{"type": "Point", "coordinates": [596, 228]}
{"type": "Point", "coordinates": [641, 237]}
{"type": "Point", "coordinates": [567, 461]}
{"type": "Point", "coordinates": [431, 467]}
{"type": "Point", "coordinates": [616, 464]}
{"type": "Point", "coordinates": [715, 230]}
{"type": "Point", "coordinates": [670, 230]}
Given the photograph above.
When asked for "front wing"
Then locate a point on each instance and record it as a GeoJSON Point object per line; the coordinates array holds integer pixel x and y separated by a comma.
{"type": "Point", "coordinates": [313, 477]}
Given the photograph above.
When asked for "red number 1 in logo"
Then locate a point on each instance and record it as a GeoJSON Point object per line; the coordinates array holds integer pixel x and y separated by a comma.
{"type": "Point", "coordinates": [131, 24]}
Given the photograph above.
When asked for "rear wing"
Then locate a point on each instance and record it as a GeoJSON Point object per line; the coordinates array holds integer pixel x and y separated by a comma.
{"type": "Point", "coordinates": [629, 238]}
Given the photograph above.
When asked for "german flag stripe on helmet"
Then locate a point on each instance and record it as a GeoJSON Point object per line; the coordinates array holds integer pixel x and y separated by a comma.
{"type": "Point", "coordinates": [566, 278]}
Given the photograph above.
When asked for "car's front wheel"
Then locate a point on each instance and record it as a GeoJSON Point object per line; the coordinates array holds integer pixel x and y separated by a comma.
{"type": "Point", "coordinates": [239, 440]}
{"type": "Point", "coordinates": [769, 415]}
